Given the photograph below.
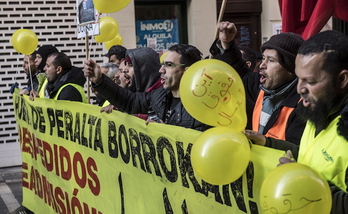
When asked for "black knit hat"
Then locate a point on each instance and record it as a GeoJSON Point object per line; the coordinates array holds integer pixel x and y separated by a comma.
{"type": "Point", "coordinates": [286, 45]}
{"type": "Point", "coordinates": [44, 52]}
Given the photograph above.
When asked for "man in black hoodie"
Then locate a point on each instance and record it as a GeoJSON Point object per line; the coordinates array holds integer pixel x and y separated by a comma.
{"type": "Point", "coordinates": [63, 81]}
{"type": "Point", "coordinates": [41, 56]}
{"type": "Point", "coordinates": [138, 72]}
{"type": "Point", "coordinates": [40, 62]}
{"type": "Point", "coordinates": [141, 70]}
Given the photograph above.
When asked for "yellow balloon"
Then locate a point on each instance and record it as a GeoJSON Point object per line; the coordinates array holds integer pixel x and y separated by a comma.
{"type": "Point", "coordinates": [295, 188]}
{"type": "Point", "coordinates": [220, 155]}
{"type": "Point", "coordinates": [117, 40]}
{"type": "Point", "coordinates": [110, 6]}
{"type": "Point", "coordinates": [213, 93]}
{"type": "Point", "coordinates": [108, 29]}
{"type": "Point", "coordinates": [24, 41]}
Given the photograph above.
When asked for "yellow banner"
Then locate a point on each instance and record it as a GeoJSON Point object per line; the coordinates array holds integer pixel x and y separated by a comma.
{"type": "Point", "coordinates": [78, 160]}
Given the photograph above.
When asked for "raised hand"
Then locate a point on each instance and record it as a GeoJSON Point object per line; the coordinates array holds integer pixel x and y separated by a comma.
{"type": "Point", "coordinates": [92, 70]}
{"type": "Point", "coordinates": [227, 32]}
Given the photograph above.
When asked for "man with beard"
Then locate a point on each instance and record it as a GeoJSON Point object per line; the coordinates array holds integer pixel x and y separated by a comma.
{"type": "Point", "coordinates": [322, 69]}
{"type": "Point", "coordinates": [164, 101]}
{"type": "Point", "coordinates": [30, 70]}
{"type": "Point", "coordinates": [271, 97]}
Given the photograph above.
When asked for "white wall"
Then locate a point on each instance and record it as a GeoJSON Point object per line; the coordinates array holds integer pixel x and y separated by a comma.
{"type": "Point", "coordinates": [126, 25]}
{"type": "Point", "coordinates": [270, 15]}
{"type": "Point", "coordinates": [201, 24]}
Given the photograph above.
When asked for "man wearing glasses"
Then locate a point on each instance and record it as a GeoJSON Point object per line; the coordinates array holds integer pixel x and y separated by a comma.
{"type": "Point", "coordinates": [164, 101]}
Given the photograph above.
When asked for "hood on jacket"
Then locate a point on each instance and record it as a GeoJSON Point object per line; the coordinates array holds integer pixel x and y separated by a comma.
{"type": "Point", "coordinates": [44, 51]}
{"type": "Point", "coordinates": [146, 67]}
{"type": "Point", "coordinates": [74, 75]}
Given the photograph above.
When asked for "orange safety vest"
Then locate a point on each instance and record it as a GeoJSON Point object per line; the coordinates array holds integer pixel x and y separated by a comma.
{"type": "Point", "coordinates": [278, 130]}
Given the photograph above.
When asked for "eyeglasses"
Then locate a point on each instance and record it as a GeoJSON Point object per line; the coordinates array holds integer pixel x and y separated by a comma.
{"type": "Point", "coordinates": [170, 64]}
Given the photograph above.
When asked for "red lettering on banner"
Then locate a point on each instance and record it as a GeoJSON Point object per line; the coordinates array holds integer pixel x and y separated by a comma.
{"type": "Point", "coordinates": [59, 160]}
{"type": "Point", "coordinates": [65, 163]}
{"type": "Point", "coordinates": [47, 159]}
{"type": "Point", "coordinates": [59, 195]}
{"type": "Point", "coordinates": [94, 183]}
{"type": "Point", "coordinates": [79, 165]}
{"type": "Point", "coordinates": [26, 141]}
{"type": "Point", "coordinates": [56, 159]}
{"type": "Point", "coordinates": [25, 175]}
{"type": "Point", "coordinates": [55, 197]}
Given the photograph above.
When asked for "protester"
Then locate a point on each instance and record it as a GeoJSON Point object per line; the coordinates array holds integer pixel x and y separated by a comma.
{"type": "Point", "coordinates": [164, 101]}
{"type": "Point", "coordinates": [116, 54]}
{"type": "Point", "coordinates": [40, 61]}
{"type": "Point", "coordinates": [41, 56]}
{"type": "Point", "coordinates": [322, 69]}
{"type": "Point", "coordinates": [271, 95]}
{"type": "Point", "coordinates": [119, 76]}
{"type": "Point", "coordinates": [63, 81]}
{"type": "Point", "coordinates": [30, 70]}
{"type": "Point", "coordinates": [110, 70]}
{"type": "Point", "coordinates": [138, 73]}
{"type": "Point", "coordinates": [141, 70]}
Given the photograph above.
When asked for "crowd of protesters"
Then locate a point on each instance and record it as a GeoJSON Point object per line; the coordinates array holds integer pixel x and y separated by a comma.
{"type": "Point", "coordinates": [295, 101]}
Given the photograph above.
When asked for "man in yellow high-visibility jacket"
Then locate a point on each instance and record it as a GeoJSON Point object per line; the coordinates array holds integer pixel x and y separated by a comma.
{"type": "Point", "coordinates": [63, 81]}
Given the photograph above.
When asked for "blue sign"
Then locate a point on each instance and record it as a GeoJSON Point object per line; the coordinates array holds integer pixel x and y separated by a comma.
{"type": "Point", "coordinates": [157, 34]}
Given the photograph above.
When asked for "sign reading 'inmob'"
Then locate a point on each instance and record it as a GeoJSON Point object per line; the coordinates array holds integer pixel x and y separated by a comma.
{"type": "Point", "coordinates": [157, 34]}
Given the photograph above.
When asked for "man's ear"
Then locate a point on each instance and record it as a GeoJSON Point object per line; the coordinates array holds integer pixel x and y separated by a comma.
{"type": "Point", "coordinates": [343, 79]}
{"type": "Point", "coordinates": [248, 63]}
{"type": "Point", "coordinates": [59, 69]}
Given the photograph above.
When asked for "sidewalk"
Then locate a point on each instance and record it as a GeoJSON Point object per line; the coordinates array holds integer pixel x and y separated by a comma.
{"type": "Point", "coordinates": [10, 188]}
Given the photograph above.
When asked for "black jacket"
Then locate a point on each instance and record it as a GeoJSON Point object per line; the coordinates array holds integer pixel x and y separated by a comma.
{"type": "Point", "coordinates": [141, 102]}
{"type": "Point", "coordinates": [251, 81]}
{"type": "Point", "coordinates": [74, 75]}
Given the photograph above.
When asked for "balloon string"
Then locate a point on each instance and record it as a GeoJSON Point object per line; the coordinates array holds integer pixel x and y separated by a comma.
{"type": "Point", "coordinates": [30, 75]}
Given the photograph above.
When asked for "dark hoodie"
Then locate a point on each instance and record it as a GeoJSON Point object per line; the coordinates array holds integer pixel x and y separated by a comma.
{"type": "Point", "coordinates": [74, 75]}
{"type": "Point", "coordinates": [44, 51]}
{"type": "Point", "coordinates": [146, 67]}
